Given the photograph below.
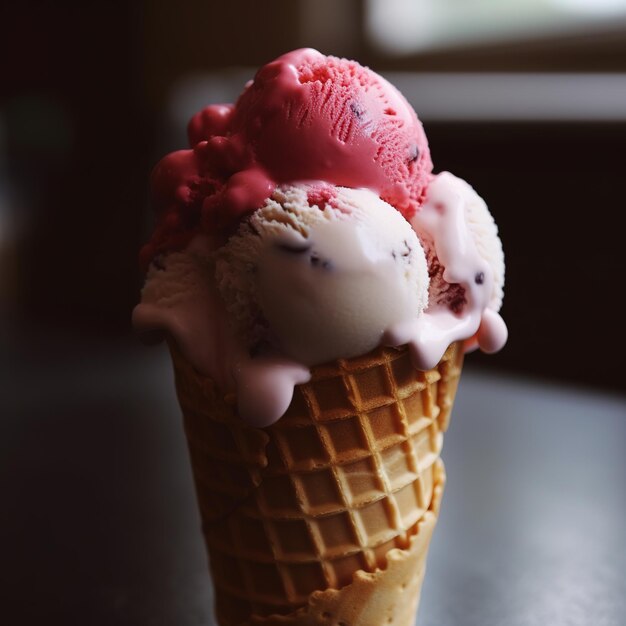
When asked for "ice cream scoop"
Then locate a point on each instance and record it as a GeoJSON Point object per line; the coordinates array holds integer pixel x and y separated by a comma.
{"type": "Point", "coordinates": [322, 271]}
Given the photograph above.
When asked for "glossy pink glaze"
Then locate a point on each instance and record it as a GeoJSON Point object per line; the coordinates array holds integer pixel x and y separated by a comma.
{"type": "Point", "coordinates": [305, 116]}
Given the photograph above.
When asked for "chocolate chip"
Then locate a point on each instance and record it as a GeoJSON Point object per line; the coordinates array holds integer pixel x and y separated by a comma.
{"type": "Point", "coordinates": [414, 153]}
{"type": "Point", "coordinates": [292, 248]}
{"type": "Point", "coordinates": [317, 262]}
{"type": "Point", "coordinates": [479, 279]}
{"type": "Point", "coordinates": [357, 110]}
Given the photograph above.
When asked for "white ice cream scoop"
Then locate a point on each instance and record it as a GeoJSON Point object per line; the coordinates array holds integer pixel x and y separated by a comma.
{"type": "Point", "coordinates": [322, 273]}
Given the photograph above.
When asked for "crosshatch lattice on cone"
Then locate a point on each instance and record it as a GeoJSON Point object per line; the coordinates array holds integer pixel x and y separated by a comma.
{"type": "Point", "coordinates": [348, 474]}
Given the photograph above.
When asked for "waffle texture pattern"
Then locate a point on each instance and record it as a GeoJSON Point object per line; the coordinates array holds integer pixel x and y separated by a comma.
{"type": "Point", "coordinates": [347, 477]}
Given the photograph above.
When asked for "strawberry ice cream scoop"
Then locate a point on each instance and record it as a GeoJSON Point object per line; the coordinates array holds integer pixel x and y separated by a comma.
{"type": "Point", "coordinates": [305, 116]}
{"type": "Point", "coordinates": [309, 116]}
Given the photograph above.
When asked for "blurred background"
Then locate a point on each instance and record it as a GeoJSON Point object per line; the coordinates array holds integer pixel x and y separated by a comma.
{"type": "Point", "coordinates": [525, 99]}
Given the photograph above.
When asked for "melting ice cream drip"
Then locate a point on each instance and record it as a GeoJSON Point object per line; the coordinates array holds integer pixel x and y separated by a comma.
{"type": "Point", "coordinates": [443, 220]}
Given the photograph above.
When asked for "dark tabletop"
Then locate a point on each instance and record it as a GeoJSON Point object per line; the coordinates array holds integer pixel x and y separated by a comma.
{"type": "Point", "coordinates": [100, 527]}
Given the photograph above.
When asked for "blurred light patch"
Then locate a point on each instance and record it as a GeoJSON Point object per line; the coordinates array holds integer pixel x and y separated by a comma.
{"type": "Point", "coordinates": [514, 97]}
{"type": "Point", "coordinates": [593, 7]}
{"type": "Point", "coordinates": [405, 26]}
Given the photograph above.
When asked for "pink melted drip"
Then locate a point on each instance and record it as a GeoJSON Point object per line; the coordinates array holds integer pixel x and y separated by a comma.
{"type": "Point", "coordinates": [442, 218]}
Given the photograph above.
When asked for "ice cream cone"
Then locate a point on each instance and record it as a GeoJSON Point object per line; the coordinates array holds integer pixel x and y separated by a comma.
{"type": "Point", "coordinates": [390, 595]}
{"type": "Point", "coordinates": [336, 500]}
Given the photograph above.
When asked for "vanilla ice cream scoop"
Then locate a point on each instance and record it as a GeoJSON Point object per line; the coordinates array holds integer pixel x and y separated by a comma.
{"type": "Point", "coordinates": [321, 272]}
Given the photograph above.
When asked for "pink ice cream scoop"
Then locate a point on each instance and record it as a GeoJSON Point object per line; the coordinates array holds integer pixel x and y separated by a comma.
{"type": "Point", "coordinates": [305, 116]}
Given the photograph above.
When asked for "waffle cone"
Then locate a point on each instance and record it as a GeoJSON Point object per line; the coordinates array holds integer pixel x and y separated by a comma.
{"type": "Point", "coordinates": [327, 514]}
